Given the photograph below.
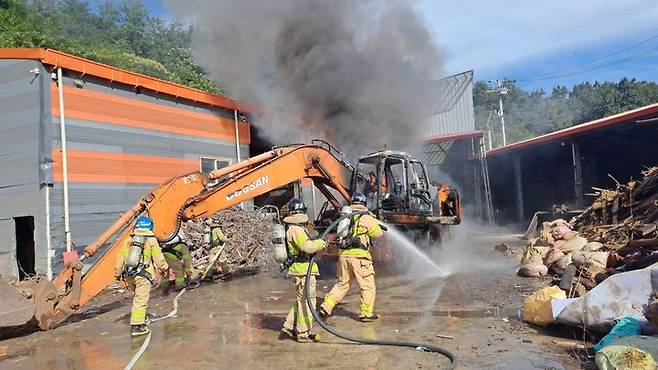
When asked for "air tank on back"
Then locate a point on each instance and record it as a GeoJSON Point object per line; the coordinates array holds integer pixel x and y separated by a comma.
{"type": "Point", "coordinates": [279, 243]}
{"type": "Point", "coordinates": [135, 252]}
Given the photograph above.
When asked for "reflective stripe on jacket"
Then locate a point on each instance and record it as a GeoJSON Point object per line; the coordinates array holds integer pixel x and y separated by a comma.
{"type": "Point", "coordinates": [298, 242]}
{"type": "Point", "coordinates": [179, 251]}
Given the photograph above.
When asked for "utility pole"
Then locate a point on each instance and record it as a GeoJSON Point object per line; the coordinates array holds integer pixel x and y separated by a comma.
{"type": "Point", "coordinates": [488, 128]}
{"type": "Point", "coordinates": [501, 90]}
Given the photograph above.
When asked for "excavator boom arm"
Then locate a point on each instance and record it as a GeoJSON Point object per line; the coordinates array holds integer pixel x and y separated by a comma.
{"type": "Point", "coordinates": [190, 197]}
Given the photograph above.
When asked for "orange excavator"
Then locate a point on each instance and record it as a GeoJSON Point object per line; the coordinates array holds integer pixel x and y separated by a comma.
{"type": "Point", "coordinates": [398, 194]}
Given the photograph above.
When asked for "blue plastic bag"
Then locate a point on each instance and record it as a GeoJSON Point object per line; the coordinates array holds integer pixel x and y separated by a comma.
{"type": "Point", "coordinates": [625, 327]}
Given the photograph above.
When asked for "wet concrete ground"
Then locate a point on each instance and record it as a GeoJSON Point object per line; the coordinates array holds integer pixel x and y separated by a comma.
{"type": "Point", "coordinates": [235, 324]}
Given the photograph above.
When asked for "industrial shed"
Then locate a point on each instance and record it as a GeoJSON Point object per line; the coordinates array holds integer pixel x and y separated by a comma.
{"type": "Point", "coordinates": [452, 147]}
{"type": "Point", "coordinates": [124, 133]}
{"type": "Point", "coordinates": [561, 167]}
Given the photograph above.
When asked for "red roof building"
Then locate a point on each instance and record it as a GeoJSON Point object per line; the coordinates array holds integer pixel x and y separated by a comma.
{"type": "Point", "coordinates": [561, 167]}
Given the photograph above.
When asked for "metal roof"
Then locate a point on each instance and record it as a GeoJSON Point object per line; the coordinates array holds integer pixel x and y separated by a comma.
{"type": "Point", "coordinates": [435, 149]}
{"type": "Point", "coordinates": [452, 107]}
{"type": "Point", "coordinates": [453, 137]}
{"type": "Point", "coordinates": [112, 74]}
{"type": "Point", "coordinates": [579, 129]}
{"type": "Point", "coordinates": [448, 90]}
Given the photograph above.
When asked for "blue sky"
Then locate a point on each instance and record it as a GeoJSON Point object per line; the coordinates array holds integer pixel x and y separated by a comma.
{"type": "Point", "coordinates": [518, 39]}
{"type": "Point", "coordinates": [521, 39]}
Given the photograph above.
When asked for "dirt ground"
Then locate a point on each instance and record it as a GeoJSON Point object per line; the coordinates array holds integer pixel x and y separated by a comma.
{"type": "Point", "coordinates": [235, 324]}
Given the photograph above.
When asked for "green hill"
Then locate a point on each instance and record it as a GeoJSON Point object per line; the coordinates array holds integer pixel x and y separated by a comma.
{"type": "Point", "coordinates": [121, 34]}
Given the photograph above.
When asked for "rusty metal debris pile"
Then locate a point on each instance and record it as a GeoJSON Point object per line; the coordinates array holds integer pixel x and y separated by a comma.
{"type": "Point", "coordinates": [249, 234]}
{"type": "Point", "coordinates": [616, 233]}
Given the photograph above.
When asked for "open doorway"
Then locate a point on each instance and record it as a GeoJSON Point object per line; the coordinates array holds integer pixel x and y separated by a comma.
{"type": "Point", "coordinates": [25, 246]}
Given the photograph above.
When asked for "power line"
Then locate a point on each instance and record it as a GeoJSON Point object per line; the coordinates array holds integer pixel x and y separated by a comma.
{"type": "Point", "coordinates": [634, 56]}
{"type": "Point", "coordinates": [557, 73]}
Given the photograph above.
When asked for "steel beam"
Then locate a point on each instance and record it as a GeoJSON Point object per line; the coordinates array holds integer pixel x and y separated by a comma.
{"type": "Point", "coordinates": [518, 187]}
{"type": "Point", "coordinates": [577, 175]}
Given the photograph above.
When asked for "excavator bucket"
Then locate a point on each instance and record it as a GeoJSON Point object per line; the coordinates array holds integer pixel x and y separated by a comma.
{"type": "Point", "coordinates": [16, 309]}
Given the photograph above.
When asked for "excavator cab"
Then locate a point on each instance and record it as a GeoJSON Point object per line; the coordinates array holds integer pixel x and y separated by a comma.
{"type": "Point", "coordinates": [396, 187]}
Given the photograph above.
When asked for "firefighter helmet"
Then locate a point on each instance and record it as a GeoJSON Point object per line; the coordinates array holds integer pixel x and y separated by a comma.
{"type": "Point", "coordinates": [144, 222]}
{"type": "Point", "coordinates": [296, 206]}
{"type": "Point", "coordinates": [359, 198]}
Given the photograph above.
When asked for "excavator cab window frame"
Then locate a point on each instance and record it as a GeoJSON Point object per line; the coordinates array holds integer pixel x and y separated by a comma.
{"type": "Point", "coordinates": [396, 198]}
{"type": "Point", "coordinates": [361, 183]}
{"type": "Point", "coordinates": [420, 199]}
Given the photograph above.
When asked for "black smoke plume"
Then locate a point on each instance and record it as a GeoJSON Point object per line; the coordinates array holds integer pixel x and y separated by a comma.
{"type": "Point", "coordinates": [357, 73]}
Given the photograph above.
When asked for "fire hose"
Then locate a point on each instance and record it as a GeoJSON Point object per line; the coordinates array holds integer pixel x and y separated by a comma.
{"type": "Point", "coordinates": [311, 304]}
{"type": "Point", "coordinates": [147, 341]}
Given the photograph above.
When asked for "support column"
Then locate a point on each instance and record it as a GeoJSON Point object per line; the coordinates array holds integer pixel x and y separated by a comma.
{"type": "Point", "coordinates": [518, 187]}
{"type": "Point", "coordinates": [237, 143]}
{"type": "Point", "coordinates": [577, 175]}
{"type": "Point", "coordinates": [237, 136]}
{"type": "Point", "coordinates": [65, 168]}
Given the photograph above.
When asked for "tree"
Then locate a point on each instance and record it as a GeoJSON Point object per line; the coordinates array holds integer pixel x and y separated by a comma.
{"type": "Point", "coordinates": [532, 113]}
{"type": "Point", "coordinates": [120, 34]}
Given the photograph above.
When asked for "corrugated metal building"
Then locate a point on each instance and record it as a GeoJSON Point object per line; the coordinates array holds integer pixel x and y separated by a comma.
{"type": "Point", "coordinates": [452, 147]}
{"type": "Point", "coordinates": [125, 133]}
{"type": "Point", "coordinates": [453, 111]}
{"type": "Point", "coordinates": [561, 167]}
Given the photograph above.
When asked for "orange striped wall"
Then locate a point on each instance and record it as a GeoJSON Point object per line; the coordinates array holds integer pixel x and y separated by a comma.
{"type": "Point", "coordinates": [97, 106]}
{"type": "Point", "coordinates": [90, 166]}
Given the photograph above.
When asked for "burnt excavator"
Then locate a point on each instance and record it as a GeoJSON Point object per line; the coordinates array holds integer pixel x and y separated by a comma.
{"type": "Point", "coordinates": [395, 183]}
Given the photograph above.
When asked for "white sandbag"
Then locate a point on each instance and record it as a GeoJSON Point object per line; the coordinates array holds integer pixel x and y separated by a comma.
{"type": "Point", "coordinates": [569, 235]}
{"type": "Point", "coordinates": [573, 245]}
{"type": "Point", "coordinates": [564, 261]}
{"type": "Point", "coordinates": [533, 270]}
{"type": "Point", "coordinates": [581, 258]}
{"type": "Point", "coordinates": [535, 254]}
{"type": "Point", "coordinates": [592, 246]}
{"type": "Point", "coordinates": [559, 230]}
{"type": "Point", "coordinates": [552, 256]}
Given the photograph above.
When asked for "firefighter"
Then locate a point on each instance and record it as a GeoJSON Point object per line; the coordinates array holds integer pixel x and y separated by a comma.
{"type": "Point", "coordinates": [355, 263]}
{"type": "Point", "coordinates": [217, 241]}
{"type": "Point", "coordinates": [300, 248]}
{"type": "Point", "coordinates": [134, 264]}
{"type": "Point", "coordinates": [178, 258]}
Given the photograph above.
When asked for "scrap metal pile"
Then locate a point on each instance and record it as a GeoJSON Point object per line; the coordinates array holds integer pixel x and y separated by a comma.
{"type": "Point", "coordinates": [249, 233]}
{"type": "Point", "coordinates": [616, 233]}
